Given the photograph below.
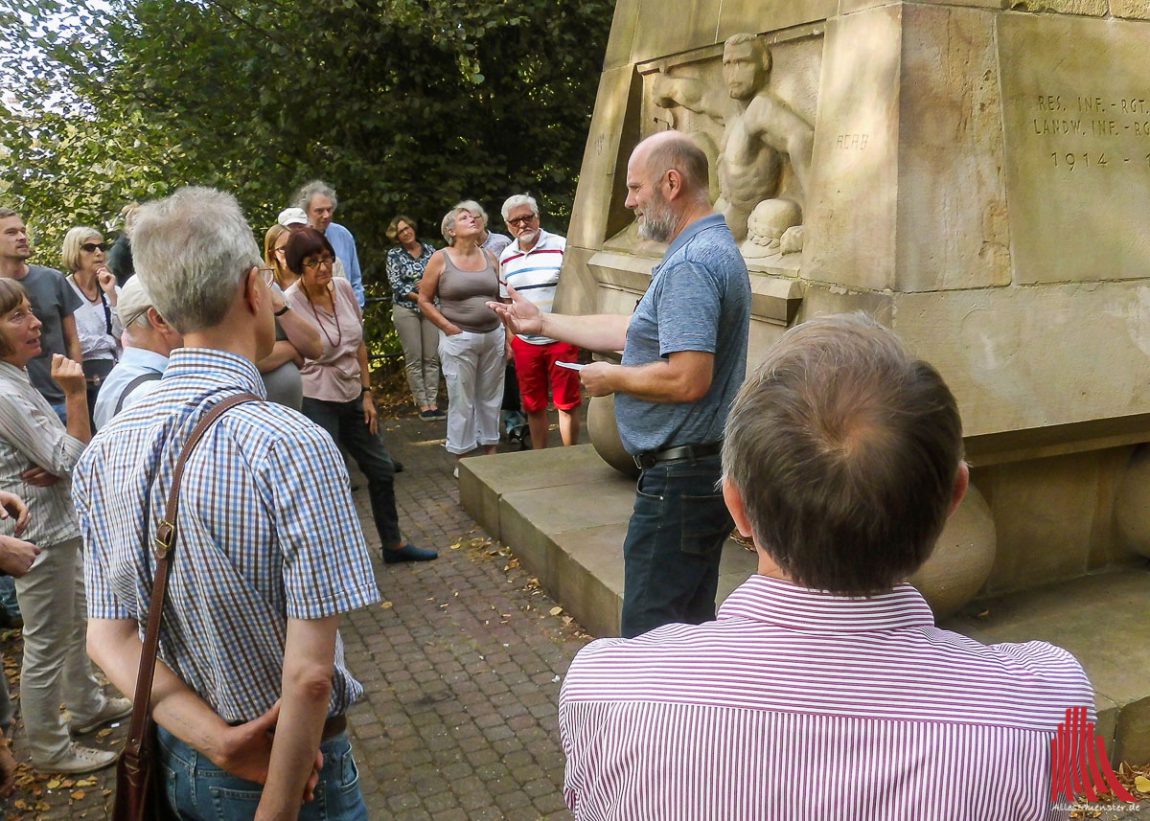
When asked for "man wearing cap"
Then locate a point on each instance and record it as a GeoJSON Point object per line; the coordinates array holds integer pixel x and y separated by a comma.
{"type": "Point", "coordinates": [318, 201]}
{"type": "Point", "coordinates": [148, 342]}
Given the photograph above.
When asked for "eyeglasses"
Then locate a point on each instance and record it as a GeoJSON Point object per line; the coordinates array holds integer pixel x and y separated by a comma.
{"type": "Point", "coordinates": [527, 220]}
{"type": "Point", "coordinates": [315, 262]}
{"type": "Point", "coordinates": [91, 247]}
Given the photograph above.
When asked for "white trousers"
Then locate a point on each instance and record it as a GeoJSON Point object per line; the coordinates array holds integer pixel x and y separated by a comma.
{"type": "Point", "coordinates": [56, 667]}
{"type": "Point", "coordinates": [473, 367]}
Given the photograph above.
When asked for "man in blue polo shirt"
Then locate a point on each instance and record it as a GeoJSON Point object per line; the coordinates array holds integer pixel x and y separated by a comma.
{"type": "Point", "coordinates": [684, 358]}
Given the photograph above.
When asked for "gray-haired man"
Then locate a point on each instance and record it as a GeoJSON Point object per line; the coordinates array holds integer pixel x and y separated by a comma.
{"type": "Point", "coordinates": [270, 550]}
{"type": "Point", "coordinates": [148, 342]}
{"type": "Point", "coordinates": [318, 200]}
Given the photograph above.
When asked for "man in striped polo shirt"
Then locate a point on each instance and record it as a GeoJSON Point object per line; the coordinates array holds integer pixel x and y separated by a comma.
{"type": "Point", "coordinates": [531, 266]}
{"type": "Point", "coordinates": [824, 690]}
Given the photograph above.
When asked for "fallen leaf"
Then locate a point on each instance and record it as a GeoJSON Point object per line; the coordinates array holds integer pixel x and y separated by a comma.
{"type": "Point", "coordinates": [387, 605]}
{"type": "Point", "coordinates": [1142, 784]}
{"type": "Point", "coordinates": [555, 611]}
{"type": "Point", "coordinates": [53, 785]}
{"type": "Point", "coordinates": [79, 795]}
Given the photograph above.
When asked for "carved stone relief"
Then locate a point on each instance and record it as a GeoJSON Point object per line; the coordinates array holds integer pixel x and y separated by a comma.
{"type": "Point", "coordinates": [751, 113]}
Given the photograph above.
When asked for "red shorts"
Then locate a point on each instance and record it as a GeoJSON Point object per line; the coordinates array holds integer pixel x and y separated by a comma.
{"type": "Point", "coordinates": [535, 368]}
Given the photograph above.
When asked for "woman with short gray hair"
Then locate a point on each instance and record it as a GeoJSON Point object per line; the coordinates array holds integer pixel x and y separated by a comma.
{"type": "Point", "coordinates": [472, 345]}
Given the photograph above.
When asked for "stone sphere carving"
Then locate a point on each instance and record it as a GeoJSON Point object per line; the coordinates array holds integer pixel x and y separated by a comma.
{"type": "Point", "coordinates": [1132, 504]}
{"type": "Point", "coordinates": [605, 435]}
{"type": "Point", "coordinates": [962, 559]}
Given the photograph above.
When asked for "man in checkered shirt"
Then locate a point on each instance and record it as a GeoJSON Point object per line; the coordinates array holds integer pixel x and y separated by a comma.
{"type": "Point", "coordinates": [269, 553]}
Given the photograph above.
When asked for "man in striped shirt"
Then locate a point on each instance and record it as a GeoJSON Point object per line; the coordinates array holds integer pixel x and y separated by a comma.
{"type": "Point", "coordinates": [531, 266]}
{"type": "Point", "coordinates": [824, 690]}
{"type": "Point", "coordinates": [269, 552]}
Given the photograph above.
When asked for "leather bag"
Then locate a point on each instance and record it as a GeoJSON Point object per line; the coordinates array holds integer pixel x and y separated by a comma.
{"type": "Point", "coordinates": [140, 794]}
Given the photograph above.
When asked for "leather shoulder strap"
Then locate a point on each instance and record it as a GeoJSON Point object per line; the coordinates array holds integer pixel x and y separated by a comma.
{"type": "Point", "coordinates": [147, 376]}
{"type": "Point", "coordinates": [163, 542]}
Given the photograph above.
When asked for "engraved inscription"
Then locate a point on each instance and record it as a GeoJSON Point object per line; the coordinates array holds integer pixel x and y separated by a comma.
{"type": "Point", "coordinates": [1096, 120]}
{"type": "Point", "coordinates": [852, 142]}
{"type": "Point", "coordinates": [1077, 138]}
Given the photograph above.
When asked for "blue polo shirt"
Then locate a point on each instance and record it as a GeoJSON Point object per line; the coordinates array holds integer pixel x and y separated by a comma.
{"type": "Point", "coordinates": [699, 299]}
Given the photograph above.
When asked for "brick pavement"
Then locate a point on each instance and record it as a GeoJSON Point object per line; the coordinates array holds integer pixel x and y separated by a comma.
{"type": "Point", "coordinates": [461, 666]}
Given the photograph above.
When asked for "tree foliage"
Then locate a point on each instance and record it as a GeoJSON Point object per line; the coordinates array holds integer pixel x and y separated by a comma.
{"type": "Point", "coordinates": [403, 105]}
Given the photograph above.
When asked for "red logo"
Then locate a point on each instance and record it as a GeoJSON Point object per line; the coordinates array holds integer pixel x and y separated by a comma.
{"type": "Point", "coordinates": [1078, 762]}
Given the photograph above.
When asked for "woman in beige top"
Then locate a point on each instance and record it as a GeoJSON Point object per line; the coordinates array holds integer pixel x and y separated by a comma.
{"type": "Point", "coordinates": [473, 346]}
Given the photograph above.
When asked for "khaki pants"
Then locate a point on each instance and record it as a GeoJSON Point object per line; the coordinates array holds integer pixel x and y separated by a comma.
{"type": "Point", "coordinates": [56, 667]}
{"type": "Point", "coordinates": [420, 340]}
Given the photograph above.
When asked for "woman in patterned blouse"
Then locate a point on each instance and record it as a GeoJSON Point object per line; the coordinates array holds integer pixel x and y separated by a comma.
{"type": "Point", "coordinates": [417, 334]}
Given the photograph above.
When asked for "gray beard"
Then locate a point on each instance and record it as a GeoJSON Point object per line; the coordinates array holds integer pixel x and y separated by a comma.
{"type": "Point", "coordinates": [658, 223]}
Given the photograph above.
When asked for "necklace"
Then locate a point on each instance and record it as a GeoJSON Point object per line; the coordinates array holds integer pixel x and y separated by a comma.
{"type": "Point", "coordinates": [335, 343]}
{"type": "Point", "coordinates": [84, 291]}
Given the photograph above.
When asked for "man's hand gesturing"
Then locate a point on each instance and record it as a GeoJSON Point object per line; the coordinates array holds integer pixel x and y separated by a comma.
{"type": "Point", "coordinates": [521, 315]}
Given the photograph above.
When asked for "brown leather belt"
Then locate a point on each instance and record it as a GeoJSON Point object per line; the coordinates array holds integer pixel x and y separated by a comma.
{"type": "Point", "coordinates": [334, 726]}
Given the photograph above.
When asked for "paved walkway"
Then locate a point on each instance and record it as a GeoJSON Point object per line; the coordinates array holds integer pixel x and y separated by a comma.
{"type": "Point", "coordinates": [461, 665]}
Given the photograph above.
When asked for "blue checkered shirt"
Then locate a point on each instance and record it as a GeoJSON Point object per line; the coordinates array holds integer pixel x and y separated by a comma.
{"type": "Point", "coordinates": [267, 531]}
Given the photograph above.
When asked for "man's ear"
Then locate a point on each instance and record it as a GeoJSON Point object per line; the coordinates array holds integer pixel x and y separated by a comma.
{"type": "Point", "coordinates": [674, 181]}
{"type": "Point", "coordinates": [738, 510]}
{"type": "Point", "coordinates": [961, 485]}
{"type": "Point", "coordinates": [254, 291]}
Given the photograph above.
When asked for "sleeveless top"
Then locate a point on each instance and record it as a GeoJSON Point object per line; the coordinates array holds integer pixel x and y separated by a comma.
{"type": "Point", "coordinates": [463, 295]}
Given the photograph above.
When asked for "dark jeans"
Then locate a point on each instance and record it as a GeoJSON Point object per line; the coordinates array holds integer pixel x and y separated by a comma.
{"type": "Point", "coordinates": [674, 543]}
{"type": "Point", "coordinates": [198, 789]}
{"type": "Point", "coordinates": [344, 421]}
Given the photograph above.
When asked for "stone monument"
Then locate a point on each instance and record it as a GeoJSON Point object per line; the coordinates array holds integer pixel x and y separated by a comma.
{"type": "Point", "coordinates": [975, 174]}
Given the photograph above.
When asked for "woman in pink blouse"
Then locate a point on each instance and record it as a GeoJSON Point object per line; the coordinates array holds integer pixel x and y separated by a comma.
{"type": "Point", "coordinates": [337, 385]}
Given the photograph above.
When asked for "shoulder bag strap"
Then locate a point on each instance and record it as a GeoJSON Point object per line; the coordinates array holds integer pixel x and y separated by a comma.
{"type": "Point", "coordinates": [149, 376]}
{"type": "Point", "coordinates": [163, 543]}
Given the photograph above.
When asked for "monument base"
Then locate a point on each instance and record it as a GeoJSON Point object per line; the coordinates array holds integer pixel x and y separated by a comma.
{"type": "Point", "coordinates": [564, 513]}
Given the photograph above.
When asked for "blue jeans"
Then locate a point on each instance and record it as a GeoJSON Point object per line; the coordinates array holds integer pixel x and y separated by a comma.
{"type": "Point", "coordinates": [198, 790]}
{"type": "Point", "coordinates": [674, 543]}
{"type": "Point", "coordinates": [344, 422]}
{"type": "Point", "coordinates": [8, 599]}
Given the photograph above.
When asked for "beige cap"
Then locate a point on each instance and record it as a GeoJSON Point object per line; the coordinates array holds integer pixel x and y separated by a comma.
{"type": "Point", "coordinates": [133, 302]}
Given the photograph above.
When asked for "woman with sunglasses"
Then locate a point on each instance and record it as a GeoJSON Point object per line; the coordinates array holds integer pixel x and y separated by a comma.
{"type": "Point", "coordinates": [296, 337]}
{"type": "Point", "coordinates": [337, 384]}
{"type": "Point", "coordinates": [85, 255]}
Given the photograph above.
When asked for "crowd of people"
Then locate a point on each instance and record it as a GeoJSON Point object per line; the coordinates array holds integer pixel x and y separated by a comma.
{"type": "Point", "coordinates": [840, 459]}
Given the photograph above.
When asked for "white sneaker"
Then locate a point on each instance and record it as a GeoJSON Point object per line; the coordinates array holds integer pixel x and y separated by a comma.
{"type": "Point", "coordinates": [113, 709]}
{"type": "Point", "coordinates": [78, 760]}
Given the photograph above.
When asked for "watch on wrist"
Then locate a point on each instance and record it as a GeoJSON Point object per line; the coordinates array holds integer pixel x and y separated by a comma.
{"type": "Point", "coordinates": [283, 310]}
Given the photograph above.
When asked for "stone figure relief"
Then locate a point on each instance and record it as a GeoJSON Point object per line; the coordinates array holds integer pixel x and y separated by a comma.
{"type": "Point", "coordinates": [769, 230]}
{"type": "Point", "coordinates": [759, 130]}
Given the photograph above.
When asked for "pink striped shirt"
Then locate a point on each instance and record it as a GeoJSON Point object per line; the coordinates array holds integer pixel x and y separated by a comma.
{"type": "Point", "coordinates": [799, 704]}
